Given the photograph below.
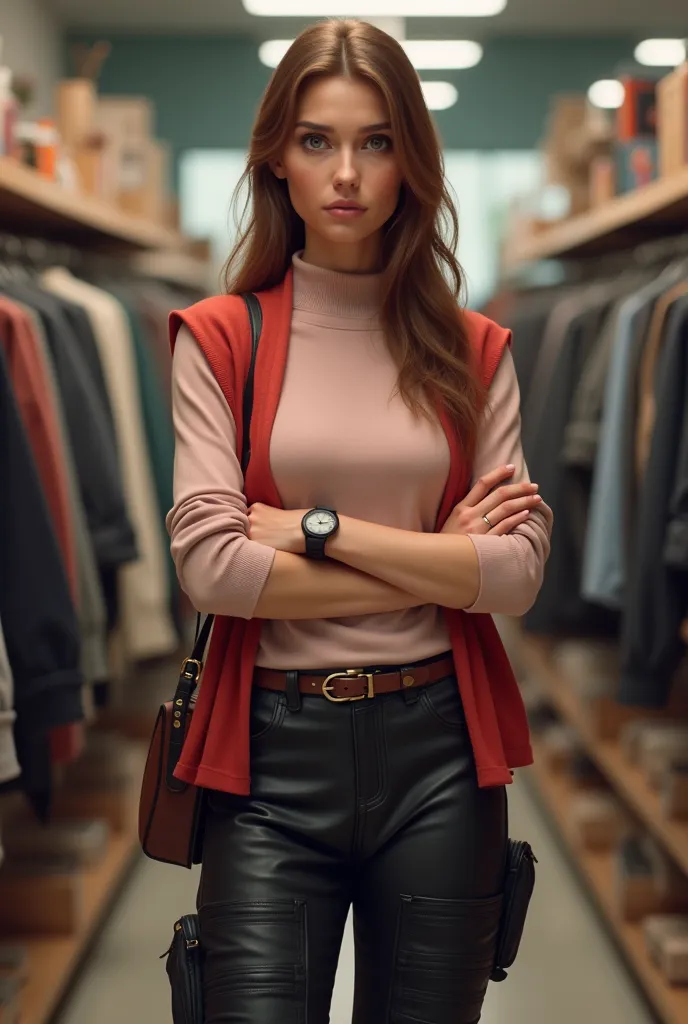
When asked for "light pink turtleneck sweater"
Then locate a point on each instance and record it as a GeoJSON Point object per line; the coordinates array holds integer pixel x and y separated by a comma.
{"type": "Point", "coordinates": [341, 438]}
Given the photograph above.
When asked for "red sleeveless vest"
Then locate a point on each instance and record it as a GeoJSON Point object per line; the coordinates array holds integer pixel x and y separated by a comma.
{"type": "Point", "coordinates": [216, 754]}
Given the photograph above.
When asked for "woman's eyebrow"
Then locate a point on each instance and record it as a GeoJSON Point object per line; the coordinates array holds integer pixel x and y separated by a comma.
{"type": "Point", "coordinates": [382, 126]}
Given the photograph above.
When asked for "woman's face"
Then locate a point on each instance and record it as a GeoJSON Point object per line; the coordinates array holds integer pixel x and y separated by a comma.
{"type": "Point", "coordinates": [342, 172]}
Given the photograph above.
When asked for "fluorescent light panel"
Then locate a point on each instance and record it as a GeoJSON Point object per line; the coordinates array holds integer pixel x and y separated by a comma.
{"type": "Point", "coordinates": [375, 8]}
{"type": "Point", "coordinates": [608, 93]}
{"type": "Point", "coordinates": [427, 54]}
{"type": "Point", "coordinates": [439, 95]}
{"type": "Point", "coordinates": [424, 54]}
{"type": "Point", "coordinates": [661, 53]}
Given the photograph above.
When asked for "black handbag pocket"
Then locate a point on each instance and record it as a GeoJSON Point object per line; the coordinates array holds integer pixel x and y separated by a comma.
{"type": "Point", "coordinates": [185, 972]}
{"type": "Point", "coordinates": [518, 889]}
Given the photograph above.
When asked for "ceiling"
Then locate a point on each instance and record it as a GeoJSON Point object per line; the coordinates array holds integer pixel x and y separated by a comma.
{"type": "Point", "coordinates": [526, 17]}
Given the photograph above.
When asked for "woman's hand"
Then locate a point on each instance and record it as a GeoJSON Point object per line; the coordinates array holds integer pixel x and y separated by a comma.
{"type": "Point", "coordinates": [506, 507]}
{"type": "Point", "coordinates": [277, 528]}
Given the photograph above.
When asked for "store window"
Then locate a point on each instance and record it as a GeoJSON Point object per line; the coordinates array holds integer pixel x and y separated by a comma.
{"type": "Point", "coordinates": [484, 184]}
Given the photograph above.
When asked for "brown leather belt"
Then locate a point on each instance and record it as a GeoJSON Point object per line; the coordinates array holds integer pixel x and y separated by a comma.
{"type": "Point", "coordinates": [354, 683]}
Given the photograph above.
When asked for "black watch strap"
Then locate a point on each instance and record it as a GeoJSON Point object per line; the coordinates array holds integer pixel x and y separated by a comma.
{"type": "Point", "coordinates": [315, 547]}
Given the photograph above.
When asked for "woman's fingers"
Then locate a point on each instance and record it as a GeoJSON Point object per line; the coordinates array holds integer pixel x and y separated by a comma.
{"type": "Point", "coordinates": [486, 483]}
{"type": "Point", "coordinates": [512, 507]}
{"type": "Point", "coordinates": [505, 494]}
{"type": "Point", "coordinates": [509, 524]}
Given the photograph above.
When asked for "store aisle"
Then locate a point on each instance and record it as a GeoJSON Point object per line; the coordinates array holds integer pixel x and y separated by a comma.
{"type": "Point", "coordinates": [566, 967]}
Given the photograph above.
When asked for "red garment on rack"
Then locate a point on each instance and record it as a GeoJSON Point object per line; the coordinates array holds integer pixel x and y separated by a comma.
{"type": "Point", "coordinates": [32, 391]}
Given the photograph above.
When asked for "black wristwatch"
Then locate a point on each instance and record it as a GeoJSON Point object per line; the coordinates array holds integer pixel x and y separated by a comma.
{"type": "Point", "coordinates": [318, 526]}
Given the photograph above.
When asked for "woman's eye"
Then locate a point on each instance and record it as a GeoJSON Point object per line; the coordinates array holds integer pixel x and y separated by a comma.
{"type": "Point", "coordinates": [379, 143]}
{"type": "Point", "coordinates": [314, 142]}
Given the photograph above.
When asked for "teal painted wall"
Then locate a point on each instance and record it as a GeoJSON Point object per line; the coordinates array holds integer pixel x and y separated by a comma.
{"type": "Point", "coordinates": [207, 89]}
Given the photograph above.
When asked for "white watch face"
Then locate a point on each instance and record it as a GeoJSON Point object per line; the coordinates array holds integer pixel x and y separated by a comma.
{"type": "Point", "coordinates": [321, 522]}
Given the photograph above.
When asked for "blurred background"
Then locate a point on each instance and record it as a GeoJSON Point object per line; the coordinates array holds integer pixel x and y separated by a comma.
{"type": "Point", "coordinates": [123, 133]}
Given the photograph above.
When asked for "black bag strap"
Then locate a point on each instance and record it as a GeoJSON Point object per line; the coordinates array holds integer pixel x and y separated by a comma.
{"type": "Point", "coordinates": [192, 666]}
{"type": "Point", "coordinates": [255, 316]}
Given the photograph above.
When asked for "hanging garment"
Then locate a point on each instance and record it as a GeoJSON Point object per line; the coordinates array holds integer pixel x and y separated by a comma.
{"type": "Point", "coordinates": [147, 626]}
{"type": "Point", "coordinates": [646, 405]}
{"type": "Point", "coordinates": [90, 436]}
{"type": "Point", "coordinates": [156, 417]}
{"type": "Point", "coordinates": [27, 373]}
{"type": "Point", "coordinates": [9, 766]}
{"type": "Point", "coordinates": [91, 607]}
{"type": "Point", "coordinates": [559, 608]}
{"type": "Point", "coordinates": [583, 430]}
{"type": "Point", "coordinates": [36, 609]}
{"type": "Point", "coordinates": [657, 596]}
{"type": "Point", "coordinates": [605, 568]}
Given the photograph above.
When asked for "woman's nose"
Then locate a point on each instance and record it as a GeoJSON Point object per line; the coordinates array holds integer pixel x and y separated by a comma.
{"type": "Point", "coordinates": [347, 172]}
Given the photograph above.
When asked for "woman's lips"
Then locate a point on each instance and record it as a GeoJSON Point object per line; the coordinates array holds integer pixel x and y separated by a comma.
{"type": "Point", "coordinates": [344, 212]}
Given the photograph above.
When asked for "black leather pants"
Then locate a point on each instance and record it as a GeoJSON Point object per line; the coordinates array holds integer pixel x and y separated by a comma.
{"type": "Point", "coordinates": [372, 803]}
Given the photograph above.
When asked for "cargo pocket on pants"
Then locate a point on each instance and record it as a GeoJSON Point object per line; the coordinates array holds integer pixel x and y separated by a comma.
{"type": "Point", "coordinates": [445, 952]}
{"type": "Point", "coordinates": [255, 961]}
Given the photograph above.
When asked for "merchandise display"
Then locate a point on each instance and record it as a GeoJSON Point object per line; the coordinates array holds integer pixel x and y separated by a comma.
{"type": "Point", "coordinates": [601, 655]}
{"type": "Point", "coordinates": [87, 451]}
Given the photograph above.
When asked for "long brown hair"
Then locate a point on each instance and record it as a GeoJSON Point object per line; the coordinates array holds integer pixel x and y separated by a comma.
{"type": "Point", "coordinates": [422, 279]}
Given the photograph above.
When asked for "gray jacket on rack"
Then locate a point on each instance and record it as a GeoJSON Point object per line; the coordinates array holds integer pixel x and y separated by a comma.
{"type": "Point", "coordinates": [657, 597]}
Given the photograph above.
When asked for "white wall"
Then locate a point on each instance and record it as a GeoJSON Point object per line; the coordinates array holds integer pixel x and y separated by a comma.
{"type": "Point", "coordinates": [32, 44]}
{"type": "Point", "coordinates": [483, 183]}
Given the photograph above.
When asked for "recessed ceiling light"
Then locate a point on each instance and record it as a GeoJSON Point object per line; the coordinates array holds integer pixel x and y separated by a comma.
{"type": "Point", "coordinates": [424, 54]}
{"type": "Point", "coordinates": [375, 8]}
{"type": "Point", "coordinates": [271, 52]}
{"type": "Point", "coordinates": [608, 93]}
{"type": "Point", "coordinates": [661, 53]}
{"type": "Point", "coordinates": [439, 95]}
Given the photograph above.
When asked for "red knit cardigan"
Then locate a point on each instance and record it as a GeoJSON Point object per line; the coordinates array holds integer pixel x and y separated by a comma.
{"type": "Point", "coordinates": [216, 754]}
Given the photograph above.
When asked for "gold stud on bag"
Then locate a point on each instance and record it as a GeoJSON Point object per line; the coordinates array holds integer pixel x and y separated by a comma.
{"type": "Point", "coordinates": [171, 811]}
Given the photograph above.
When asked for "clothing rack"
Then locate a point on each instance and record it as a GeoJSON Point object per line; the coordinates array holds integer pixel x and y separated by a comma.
{"type": "Point", "coordinates": [29, 254]}
{"type": "Point", "coordinates": [578, 269]}
{"type": "Point", "coordinates": [581, 732]}
{"type": "Point", "coordinates": [50, 916]}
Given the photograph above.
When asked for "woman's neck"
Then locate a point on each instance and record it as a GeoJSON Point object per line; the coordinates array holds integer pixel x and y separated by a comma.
{"type": "Point", "coordinates": [359, 258]}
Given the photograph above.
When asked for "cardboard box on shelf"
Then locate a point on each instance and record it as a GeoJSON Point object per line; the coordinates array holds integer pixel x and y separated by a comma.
{"type": "Point", "coordinates": [130, 118]}
{"type": "Point", "coordinates": [599, 819]}
{"type": "Point", "coordinates": [144, 176]}
{"type": "Point", "coordinates": [576, 134]}
{"type": "Point", "coordinates": [672, 121]}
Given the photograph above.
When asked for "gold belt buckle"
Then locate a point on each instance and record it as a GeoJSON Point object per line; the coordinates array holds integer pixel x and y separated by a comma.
{"type": "Point", "coordinates": [351, 673]}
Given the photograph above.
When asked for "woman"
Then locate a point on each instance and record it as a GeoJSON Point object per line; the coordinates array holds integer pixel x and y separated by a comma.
{"type": "Point", "coordinates": [383, 720]}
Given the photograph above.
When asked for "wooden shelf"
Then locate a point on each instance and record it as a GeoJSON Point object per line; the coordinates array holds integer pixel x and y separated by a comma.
{"type": "Point", "coordinates": [53, 962]}
{"type": "Point", "coordinates": [32, 205]}
{"type": "Point", "coordinates": [659, 208]}
{"type": "Point", "coordinates": [626, 779]}
{"type": "Point", "coordinates": [178, 268]}
{"type": "Point", "coordinates": [597, 869]}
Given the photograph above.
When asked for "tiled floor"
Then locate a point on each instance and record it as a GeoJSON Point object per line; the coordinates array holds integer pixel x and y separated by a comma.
{"type": "Point", "coordinates": [566, 969]}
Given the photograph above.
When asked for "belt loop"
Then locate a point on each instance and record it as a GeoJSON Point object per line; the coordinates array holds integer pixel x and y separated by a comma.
{"type": "Point", "coordinates": [293, 692]}
{"type": "Point", "coordinates": [411, 695]}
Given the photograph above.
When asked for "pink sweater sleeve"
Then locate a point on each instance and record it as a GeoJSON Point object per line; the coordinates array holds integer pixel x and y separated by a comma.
{"type": "Point", "coordinates": [511, 567]}
{"type": "Point", "coordinates": [220, 569]}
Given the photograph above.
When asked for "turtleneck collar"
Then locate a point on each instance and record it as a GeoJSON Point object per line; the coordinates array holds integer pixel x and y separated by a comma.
{"type": "Point", "coordinates": [335, 293]}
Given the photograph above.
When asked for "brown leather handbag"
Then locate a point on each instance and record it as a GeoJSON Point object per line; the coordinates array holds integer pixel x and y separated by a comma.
{"type": "Point", "coordinates": [171, 812]}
